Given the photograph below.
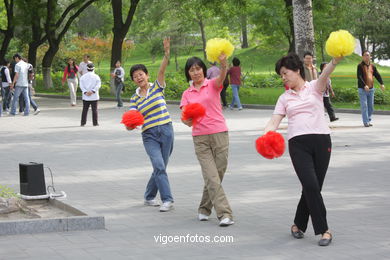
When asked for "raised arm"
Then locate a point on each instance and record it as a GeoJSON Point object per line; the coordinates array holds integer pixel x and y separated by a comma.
{"type": "Point", "coordinates": [164, 63]}
{"type": "Point", "coordinates": [323, 79]}
{"type": "Point", "coordinates": [222, 75]}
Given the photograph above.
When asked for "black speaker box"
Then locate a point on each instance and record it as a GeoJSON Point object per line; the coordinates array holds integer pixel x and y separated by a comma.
{"type": "Point", "coordinates": [32, 179]}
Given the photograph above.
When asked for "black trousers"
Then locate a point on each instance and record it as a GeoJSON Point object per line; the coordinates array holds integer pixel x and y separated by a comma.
{"type": "Point", "coordinates": [223, 95]}
{"type": "Point", "coordinates": [329, 108]}
{"type": "Point", "coordinates": [310, 155]}
{"type": "Point", "coordinates": [86, 105]}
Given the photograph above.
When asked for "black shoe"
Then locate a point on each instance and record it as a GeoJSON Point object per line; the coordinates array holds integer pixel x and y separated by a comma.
{"type": "Point", "coordinates": [297, 234]}
{"type": "Point", "coordinates": [334, 119]}
{"type": "Point", "coordinates": [82, 125]}
{"type": "Point", "coordinates": [96, 125]}
{"type": "Point", "coordinates": [366, 125]}
{"type": "Point", "coordinates": [325, 241]}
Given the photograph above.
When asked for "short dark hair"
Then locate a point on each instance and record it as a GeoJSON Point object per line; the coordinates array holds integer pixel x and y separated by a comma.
{"type": "Point", "coordinates": [86, 55]}
{"type": "Point", "coordinates": [292, 62]}
{"type": "Point", "coordinates": [307, 53]}
{"type": "Point", "coordinates": [363, 52]}
{"type": "Point", "coordinates": [5, 62]}
{"type": "Point", "coordinates": [136, 67]}
{"type": "Point", "coordinates": [236, 61]}
{"type": "Point", "coordinates": [17, 55]}
{"type": "Point", "coordinates": [194, 61]}
{"type": "Point", "coordinates": [323, 65]}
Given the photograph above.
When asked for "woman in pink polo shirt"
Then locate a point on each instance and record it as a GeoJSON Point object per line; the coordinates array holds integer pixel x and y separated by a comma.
{"type": "Point", "coordinates": [210, 137]}
{"type": "Point", "coordinates": [308, 140]}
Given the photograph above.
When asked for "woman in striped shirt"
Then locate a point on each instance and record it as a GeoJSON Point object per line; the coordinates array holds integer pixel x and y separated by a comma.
{"type": "Point", "coordinates": [157, 131]}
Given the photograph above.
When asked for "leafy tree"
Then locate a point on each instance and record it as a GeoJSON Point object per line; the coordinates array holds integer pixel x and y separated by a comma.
{"type": "Point", "coordinates": [56, 25]}
{"type": "Point", "coordinates": [369, 21]}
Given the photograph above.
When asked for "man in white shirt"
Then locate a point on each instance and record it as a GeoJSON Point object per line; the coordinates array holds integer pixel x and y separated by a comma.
{"type": "Point", "coordinates": [83, 65]}
{"type": "Point", "coordinates": [20, 83]}
{"type": "Point", "coordinates": [89, 85]}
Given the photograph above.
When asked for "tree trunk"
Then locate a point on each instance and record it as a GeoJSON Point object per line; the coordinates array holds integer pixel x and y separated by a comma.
{"type": "Point", "coordinates": [244, 31]}
{"type": "Point", "coordinates": [290, 18]}
{"type": "Point", "coordinates": [120, 30]}
{"type": "Point", "coordinates": [9, 32]}
{"type": "Point", "coordinates": [46, 66]}
{"type": "Point", "coordinates": [201, 25]}
{"type": "Point", "coordinates": [303, 27]}
{"type": "Point", "coordinates": [47, 80]}
{"type": "Point", "coordinates": [32, 53]}
{"type": "Point", "coordinates": [116, 49]}
{"type": "Point", "coordinates": [8, 35]}
{"type": "Point", "coordinates": [362, 41]}
{"type": "Point", "coordinates": [176, 62]}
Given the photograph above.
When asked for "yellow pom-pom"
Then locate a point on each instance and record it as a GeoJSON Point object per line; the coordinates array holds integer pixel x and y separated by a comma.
{"type": "Point", "coordinates": [216, 47]}
{"type": "Point", "coordinates": [340, 43]}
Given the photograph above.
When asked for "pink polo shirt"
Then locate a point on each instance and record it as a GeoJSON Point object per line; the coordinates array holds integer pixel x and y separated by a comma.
{"type": "Point", "coordinates": [304, 110]}
{"type": "Point", "coordinates": [209, 96]}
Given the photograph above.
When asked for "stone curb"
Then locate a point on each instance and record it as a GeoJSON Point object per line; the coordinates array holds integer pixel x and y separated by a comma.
{"type": "Point", "coordinates": [81, 221]}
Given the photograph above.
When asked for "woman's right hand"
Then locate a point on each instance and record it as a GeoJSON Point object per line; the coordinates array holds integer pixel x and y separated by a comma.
{"type": "Point", "coordinates": [187, 122]}
{"type": "Point", "coordinates": [129, 128]}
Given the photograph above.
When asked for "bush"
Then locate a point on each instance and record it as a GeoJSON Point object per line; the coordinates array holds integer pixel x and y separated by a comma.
{"type": "Point", "coordinates": [346, 95]}
{"type": "Point", "coordinates": [351, 95]}
{"type": "Point", "coordinates": [262, 81]}
{"type": "Point", "coordinates": [176, 85]}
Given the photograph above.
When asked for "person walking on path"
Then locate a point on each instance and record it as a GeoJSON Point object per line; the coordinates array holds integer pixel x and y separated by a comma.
{"type": "Point", "coordinates": [235, 82]}
{"type": "Point", "coordinates": [5, 83]}
{"type": "Point", "coordinates": [31, 91]}
{"type": "Point", "coordinates": [366, 71]}
{"type": "Point", "coordinates": [20, 83]}
{"type": "Point", "coordinates": [83, 65]}
{"type": "Point", "coordinates": [309, 140]}
{"type": "Point", "coordinates": [327, 104]}
{"type": "Point", "coordinates": [70, 75]}
{"type": "Point", "coordinates": [119, 78]}
{"type": "Point", "coordinates": [89, 85]}
{"type": "Point", "coordinates": [157, 131]}
{"type": "Point", "coordinates": [210, 137]}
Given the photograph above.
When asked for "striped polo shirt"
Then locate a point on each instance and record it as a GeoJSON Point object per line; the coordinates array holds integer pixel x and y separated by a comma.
{"type": "Point", "coordinates": [152, 107]}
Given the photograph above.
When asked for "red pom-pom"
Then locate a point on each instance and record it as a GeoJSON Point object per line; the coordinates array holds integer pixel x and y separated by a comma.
{"type": "Point", "coordinates": [194, 111]}
{"type": "Point", "coordinates": [271, 145]}
{"type": "Point", "coordinates": [132, 119]}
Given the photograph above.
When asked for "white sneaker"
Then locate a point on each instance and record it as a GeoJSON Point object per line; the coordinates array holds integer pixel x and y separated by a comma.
{"type": "Point", "coordinates": [240, 108]}
{"type": "Point", "coordinates": [153, 203]}
{"type": "Point", "coordinates": [166, 206]}
{"type": "Point", "coordinates": [203, 217]}
{"type": "Point", "coordinates": [37, 111]}
{"type": "Point", "coordinates": [226, 222]}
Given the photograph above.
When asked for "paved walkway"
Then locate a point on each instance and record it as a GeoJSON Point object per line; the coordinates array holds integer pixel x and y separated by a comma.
{"type": "Point", "coordinates": [105, 169]}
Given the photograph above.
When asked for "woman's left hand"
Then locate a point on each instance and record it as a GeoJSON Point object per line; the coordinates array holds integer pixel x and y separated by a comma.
{"type": "Point", "coordinates": [223, 60]}
{"type": "Point", "coordinates": [338, 59]}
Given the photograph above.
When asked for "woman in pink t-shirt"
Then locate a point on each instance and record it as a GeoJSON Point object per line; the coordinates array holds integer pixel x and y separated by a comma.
{"type": "Point", "coordinates": [309, 140]}
{"type": "Point", "coordinates": [210, 137]}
